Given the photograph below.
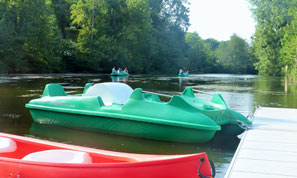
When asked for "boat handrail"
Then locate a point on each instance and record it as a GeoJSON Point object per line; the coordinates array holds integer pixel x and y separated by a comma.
{"type": "Point", "coordinates": [160, 94]}
{"type": "Point", "coordinates": [199, 91]}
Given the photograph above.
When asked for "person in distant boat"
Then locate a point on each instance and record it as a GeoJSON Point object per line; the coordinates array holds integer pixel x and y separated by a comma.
{"type": "Point", "coordinates": [120, 70]}
{"type": "Point", "coordinates": [113, 70]}
{"type": "Point", "coordinates": [181, 71]}
{"type": "Point", "coordinates": [126, 70]}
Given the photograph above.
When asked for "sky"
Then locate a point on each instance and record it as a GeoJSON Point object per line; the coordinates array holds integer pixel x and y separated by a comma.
{"type": "Point", "coordinates": [219, 19]}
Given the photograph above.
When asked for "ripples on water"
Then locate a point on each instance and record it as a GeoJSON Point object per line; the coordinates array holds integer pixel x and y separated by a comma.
{"type": "Point", "coordinates": [241, 92]}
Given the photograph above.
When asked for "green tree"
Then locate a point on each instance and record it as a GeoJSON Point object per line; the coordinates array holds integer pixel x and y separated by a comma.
{"type": "Point", "coordinates": [10, 39]}
{"type": "Point", "coordinates": [271, 16]}
{"type": "Point", "coordinates": [289, 47]}
{"type": "Point", "coordinates": [200, 58]}
{"type": "Point", "coordinates": [29, 38]}
{"type": "Point", "coordinates": [234, 55]}
{"type": "Point", "coordinates": [167, 40]}
{"type": "Point", "coordinates": [112, 33]}
{"type": "Point", "coordinates": [95, 35]}
{"type": "Point", "coordinates": [213, 43]}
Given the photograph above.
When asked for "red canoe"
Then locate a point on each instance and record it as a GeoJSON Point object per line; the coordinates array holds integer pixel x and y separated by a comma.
{"type": "Point", "coordinates": [25, 157]}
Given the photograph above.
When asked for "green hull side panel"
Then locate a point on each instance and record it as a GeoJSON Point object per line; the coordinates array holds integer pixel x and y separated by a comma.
{"type": "Point", "coordinates": [119, 74]}
{"type": "Point", "coordinates": [123, 127]}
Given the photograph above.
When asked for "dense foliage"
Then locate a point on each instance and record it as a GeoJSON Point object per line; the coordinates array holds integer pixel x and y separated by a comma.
{"type": "Point", "coordinates": [146, 36]}
{"type": "Point", "coordinates": [275, 40]}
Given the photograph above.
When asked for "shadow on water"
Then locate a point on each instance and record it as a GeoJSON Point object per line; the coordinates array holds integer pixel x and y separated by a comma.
{"type": "Point", "coordinates": [125, 144]}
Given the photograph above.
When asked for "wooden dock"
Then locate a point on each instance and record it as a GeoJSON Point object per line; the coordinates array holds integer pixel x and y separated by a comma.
{"type": "Point", "coordinates": [269, 148]}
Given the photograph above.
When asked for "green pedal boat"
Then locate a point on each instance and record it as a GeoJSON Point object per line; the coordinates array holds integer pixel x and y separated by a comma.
{"type": "Point", "coordinates": [232, 123]}
{"type": "Point", "coordinates": [117, 108]}
{"type": "Point", "coordinates": [186, 74]}
{"type": "Point", "coordinates": [119, 74]}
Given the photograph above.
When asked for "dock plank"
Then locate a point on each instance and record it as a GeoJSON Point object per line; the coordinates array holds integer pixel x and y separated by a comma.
{"type": "Point", "coordinates": [258, 145]}
{"type": "Point", "coordinates": [257, 175]}
{"type": "Point", "coordinates": [251, 154]}
{"type": "Point", "coordinates": [271, 136]}
{"type": "Point", "coordinates": [266, 167]}
{"type": "Point", "coordinates": [269, 148]}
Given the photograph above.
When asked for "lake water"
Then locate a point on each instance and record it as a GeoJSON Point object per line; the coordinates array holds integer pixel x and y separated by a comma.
{"type": "Point", "coordinates": [242, 93]}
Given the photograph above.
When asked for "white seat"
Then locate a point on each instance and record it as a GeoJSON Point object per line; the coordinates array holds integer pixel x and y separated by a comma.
{"type": "Point", "coordinates": [110, 92]}
{"type": "Point", "coordinates": [7, 145]}
{"type": "Point", "coordinates": [59, 156]}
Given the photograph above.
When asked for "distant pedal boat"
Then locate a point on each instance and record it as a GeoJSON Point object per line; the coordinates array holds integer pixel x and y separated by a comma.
{"type": "Point", "coordinates": [119, 74]}
{"type": "Point", "coordinates": [116, 108]}
{"type": "Point", "coordinates": [32, 158]}
{"type": "Point", "coordinates": [185, 74]}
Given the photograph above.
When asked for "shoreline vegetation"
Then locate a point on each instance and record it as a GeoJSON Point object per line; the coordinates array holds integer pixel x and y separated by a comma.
{"type": "Point", "coordinates": [146, 36]}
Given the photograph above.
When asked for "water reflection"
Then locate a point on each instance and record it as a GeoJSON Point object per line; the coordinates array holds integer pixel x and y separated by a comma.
{"type": "Point", "coordinates": [183, 81]}
{"type": "Point", "coordinates": [241, 92]}
{"type": "Point", "coordinates": [123, 79]}
{"type": "Point", "coordinates": [136, 145]}
{"type": "Point", "coordinates": [275, 92]}
{"type": "Point", "coordinates": [113, 142]}
{"type": "Point", "coordinates": [226, 76]}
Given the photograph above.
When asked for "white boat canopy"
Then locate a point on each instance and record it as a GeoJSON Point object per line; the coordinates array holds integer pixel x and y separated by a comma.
{"type": "Point", "coordinates": [110, 92]}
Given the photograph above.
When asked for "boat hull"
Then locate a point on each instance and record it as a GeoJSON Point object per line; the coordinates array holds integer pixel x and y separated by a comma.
{"type": "Point", "coordinates": [227, 119]}
{"type": "Point", "coordinates": [230, 129]}
{"type": "Point", "coordinates": [237, 123]}
{"type": "Point", "coordinates": [29, 170]}
{"type": "Point", "coordinates": [123, 127]}
{"type": "Point", "coordinates": [106, 164]}
{"type": "Point", "coordinates": [175, 121]}
{"type": "Point", "coordinates": [183, 75]}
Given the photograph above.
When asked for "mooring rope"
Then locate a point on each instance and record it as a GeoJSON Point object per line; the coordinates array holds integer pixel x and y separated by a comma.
{"type": "Point", "coordinates": [160, 94]}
